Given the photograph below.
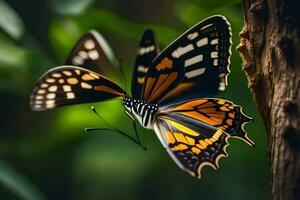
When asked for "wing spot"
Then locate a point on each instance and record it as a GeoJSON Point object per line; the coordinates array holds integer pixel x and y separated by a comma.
{"type": "Point", "coordinates": [141, 80]}
{"type": "Point", "coordinates": [202, 42]}
{"type": "Point", "coordinates": [77, 71]}
{"type": "Point", "coordinates": [222, 86]}
{"type": "Point", "coordinates": [166, 63]}
{"type": "Point", "coordinates": [142, 69]}
{"type": "Point", "coordinates": [196, 72]}
{"type": "Point", "coordinates": [41, 91]}
{"type": "Point", "coordinates": [67, 88]}
{"type": "Point", "coordinates": [67, 73]}
{"type": "Point", "coordinates": [52, 88]}
{"type": "Point", "coordinates": [87, 77]}
{"type": "Point", "coordinates": [182, 50]}
{"type": "Point", "coordinates": [93, 54]}
{"type": "Point", "coordinates": [193, 60]}
{"type": "Point", "coordinates": [50, 105]}
{"type": "Point", "coordinates": [72, 81]}
{"type": "Point", "coordinates": [196, 150]}
{"type": "Point", "coordinates": [144, 50]}
{"type": "Point", "coordinates": [83, 54]}
{"type": "Point", "coordinates": [192, 36]}
{"type": "Point", "coordinates": [37, 106]}
{"type": "Point", "coordinates": [61, 81]}
{"type": "Point", "coordinates": [205, 27]}
{"type": "Point", "coordinates": [39, 97]}
{"type": "Point", "coordinates": [51, 96]}
{"type": "Point", "coordinates": [44, 85]}
{"type": "Point", "coordinates": [215, 62]}
{"type": "Point", "coordinates": [85, 85]}
{"type": "Point", "coordinates": [50, 80]}
{"type": "Point", "coordinates": [77, 60]}
{"type": "Point", "coordinates": [214, 54]}
{"type": "Point", "coordinates": [70, 95]}
{"type": "Point", "coordinates": [89, 44]}
{"type": "Point", "coordinates": [94, 75]}
{"type": "Point", "coordinates": [56, 75]}
{"type": "Point", "coordinates": [214, 41]}
{"type": "Point", "coordinates": [50, 102]}
{"type": "Point", "coordinates": [38, 102]}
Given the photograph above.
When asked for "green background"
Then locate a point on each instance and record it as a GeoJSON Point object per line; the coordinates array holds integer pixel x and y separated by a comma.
{"type": "Point", "coordinates": [47, 155]}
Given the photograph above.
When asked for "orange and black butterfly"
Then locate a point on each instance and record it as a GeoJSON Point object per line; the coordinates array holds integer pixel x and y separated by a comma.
{"type": "Point", "coordinates": [169, 91]}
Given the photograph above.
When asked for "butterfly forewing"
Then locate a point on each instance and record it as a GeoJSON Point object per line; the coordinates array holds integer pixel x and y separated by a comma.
{"type": "Point", "coordinates": [67, 85]}
{"type": "Point", "coordinates": [203, 53]}
{"type": "Point", "coordinates": [93, 52]}
{"type": "Point", "coordinates": [147, 51]}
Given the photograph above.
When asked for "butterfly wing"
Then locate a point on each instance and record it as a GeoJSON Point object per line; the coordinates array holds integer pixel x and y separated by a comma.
{"type": "Point", "coordinates": [67, 85]}
{"type": "Point", "coordinates": [92, 52]}
{"type": "Point", "coordinates": [147, 51]}
{"type": "Point", "coordinates": [195, 133]}
{"type": "Point", "coordinates": [203, 54]}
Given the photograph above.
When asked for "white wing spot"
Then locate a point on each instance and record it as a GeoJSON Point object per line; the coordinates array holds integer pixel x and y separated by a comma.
{"type": "Point", "coordinates": [70, 95]}
{"type": "Point", "coordinates": [193, 60]}
{"type": "Point", "coordinates": [214, 54]}
{"type": "Point", "coordinates": [38, 97]}
{"type": "Point", "coordinates": [87, 77]}
{"type": "Point", "coordinates": [50, 80]}
{"type": "Point", "coordinates": [192, 36]}
{"type": "Point", "coordinates": [202, 42]}
{"type": "Point", "coordinates": [67, 73]}
{"type": "Point", "coordinates": [41, 91]}
{"type": "Point", "coordinates": [205, 27]}
{"type": "Point", "coordinates": [215, 62]}
{"type": "Point", "coordinates": [77, 60]}
{"type": "Point", "coordinates": [144, 50]}
{"type": "Point", "coordinates": [51, 96]}
{"type": "Point", "coordinates": [143, 69]}
{"type": "Point", "coordinates": [50, 102]}
{"type": "Point", "coordinates": [94, 55]}
{"type": "Point", "coordinates": [196, 72]}
{"type": "Point", "coordinates": [52, 88]}
{"type": "Point", "coordinates": [67, 88]}
{"type": "Point", "coordinates": [222, 86]}
{"type": "Point", "coordinates": [56, 75]}
{"type": "Point", "coordinates": [44, 85]}
{"type": "Point", "coordinates": [83, 54]}
{"type": "Point", "coordinates": [182, 50]}
{"type": "Point", "coordinates": [214, 41]}
{"type": "Point", "coordinates": [89, 44]}
{"type": "Point", "coordinates": [61, 81]}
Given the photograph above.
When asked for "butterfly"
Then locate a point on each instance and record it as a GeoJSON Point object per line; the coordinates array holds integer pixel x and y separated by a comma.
{"type": "Point", "coordinates": [170, 90]}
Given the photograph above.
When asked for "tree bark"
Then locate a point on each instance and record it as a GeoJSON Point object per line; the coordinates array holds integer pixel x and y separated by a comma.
{"type": "Point", "coordinates": [270, 48]}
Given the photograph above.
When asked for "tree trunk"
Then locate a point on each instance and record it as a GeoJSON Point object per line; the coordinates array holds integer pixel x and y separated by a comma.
{"type": "Point", "coordinates": [270, 48]}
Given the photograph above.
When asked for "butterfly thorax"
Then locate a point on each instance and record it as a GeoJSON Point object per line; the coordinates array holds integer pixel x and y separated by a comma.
{"type": "Point", "coordinates": [144, 112]}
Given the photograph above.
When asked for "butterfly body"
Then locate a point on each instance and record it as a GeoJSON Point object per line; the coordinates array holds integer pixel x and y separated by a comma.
{"type": "Point", "coordinates": [170, 91]}
{"type": "Point", "coordinates": [145, 113]}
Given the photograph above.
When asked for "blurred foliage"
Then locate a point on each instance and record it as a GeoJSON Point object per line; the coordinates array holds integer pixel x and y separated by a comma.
{"type": "Point", "coordinates": [51, 149]}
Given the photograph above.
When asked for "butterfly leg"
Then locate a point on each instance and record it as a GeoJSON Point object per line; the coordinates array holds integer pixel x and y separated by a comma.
{"type": "Point", "coordinates": [134, 127]}
{"type": "Point", "coordinates": [137, 141]}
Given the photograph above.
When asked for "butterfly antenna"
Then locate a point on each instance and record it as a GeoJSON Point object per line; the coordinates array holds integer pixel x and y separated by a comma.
{"type": "Point", "coordinates": [122, 71]}
{"type": "Point", "coordinates": [113, 129]}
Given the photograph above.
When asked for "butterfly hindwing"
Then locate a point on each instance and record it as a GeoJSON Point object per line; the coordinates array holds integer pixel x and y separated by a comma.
{"type": "Point", "coordinates": [92, 52]}
{"type": "Point", "coordinates": [195, 133]}
{"type": "Point", "coordinates": [191, 144]}
{"type": "Point", "coordinates": [147, 51]}
{"type": "Point", "coordinates": [203, 54]}
{"type": "Point", "coordinates": [67, 85]}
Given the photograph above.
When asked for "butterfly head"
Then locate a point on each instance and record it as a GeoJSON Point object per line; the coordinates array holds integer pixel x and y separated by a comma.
{"type": "Point", "coordinates": [127, 102]}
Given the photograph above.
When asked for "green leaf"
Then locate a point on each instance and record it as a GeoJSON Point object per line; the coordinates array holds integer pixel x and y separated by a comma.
{"type": "Point", "coordinates": [10, 22]}
{"type": "Point", "coordinates": [17, 183]}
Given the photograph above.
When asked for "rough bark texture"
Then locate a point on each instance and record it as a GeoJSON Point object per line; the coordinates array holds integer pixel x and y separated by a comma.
{"type": "Point", "coordinates": [270, 48]}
